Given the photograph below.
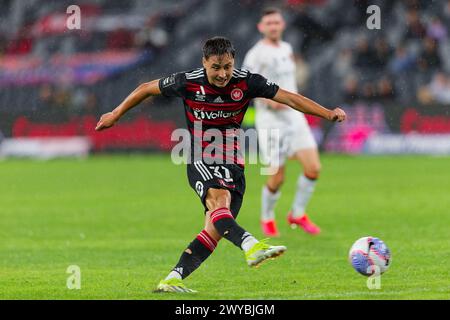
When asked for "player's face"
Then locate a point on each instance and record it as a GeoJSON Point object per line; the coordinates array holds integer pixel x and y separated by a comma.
{"type": "Point", "coordinates": [219, 69]}
{"type": "Point", "coordinates": [272, 26]}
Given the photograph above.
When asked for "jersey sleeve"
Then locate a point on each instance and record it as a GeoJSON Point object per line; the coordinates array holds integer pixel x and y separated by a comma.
{"type": "Point", "coordinates": [260, 87]}
{"type": "Point", "coordinates": [173, 85]}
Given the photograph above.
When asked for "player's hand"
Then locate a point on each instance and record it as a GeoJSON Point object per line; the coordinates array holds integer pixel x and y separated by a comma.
{"type": "Point", "coordinates": [337, 114]}
{"type": "Point", "coordinates": [106, 121]}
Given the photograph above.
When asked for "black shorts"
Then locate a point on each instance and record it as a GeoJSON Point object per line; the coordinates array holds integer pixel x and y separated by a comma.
{"type": "Point", "coordinates": [224, 176]}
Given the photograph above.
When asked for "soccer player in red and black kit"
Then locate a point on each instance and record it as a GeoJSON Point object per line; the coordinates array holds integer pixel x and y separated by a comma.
{"type": "Point", "coordinates": [216, 97]}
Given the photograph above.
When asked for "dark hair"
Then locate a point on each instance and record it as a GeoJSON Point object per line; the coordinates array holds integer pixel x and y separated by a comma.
{"type": "Point", "coordinates": [270, 10]}
{"type": "Point", "coordinates": [218, 46]}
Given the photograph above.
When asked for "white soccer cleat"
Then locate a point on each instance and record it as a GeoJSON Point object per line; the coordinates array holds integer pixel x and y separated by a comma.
{"type": "Point", "coordinates": [261, 251]}
{"type": "Point", "coordinates": [173, 285]}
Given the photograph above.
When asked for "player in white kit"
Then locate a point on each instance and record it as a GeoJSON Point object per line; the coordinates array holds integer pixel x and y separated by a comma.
{"type": "Point", "coordinates": [274, 59]}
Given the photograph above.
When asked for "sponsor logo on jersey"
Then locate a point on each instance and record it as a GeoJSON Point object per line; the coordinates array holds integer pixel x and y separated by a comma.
{"type": "Point", "coordinates": [211, 115]}
{"type": "Point", "coordinates": [237, 94]}
{"type": "Point", "coordinates": [168, 81]}
{"type": "Point", "coordinates": [218, 100]}
{"type": "Point", "coordinates": [226, 185]}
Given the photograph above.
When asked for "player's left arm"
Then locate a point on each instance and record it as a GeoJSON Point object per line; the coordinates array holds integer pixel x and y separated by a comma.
{"type": "Point", "coordinates": [308, 106]}
{"type": "Point", "coordinates": [142, 92]}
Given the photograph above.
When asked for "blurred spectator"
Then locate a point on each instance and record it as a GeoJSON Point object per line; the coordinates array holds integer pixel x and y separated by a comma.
{"type": "Point", "coordinates": [411, 55]}
{"type": "Point", "coordinates": [414, 27]}
{"type": "Point", "coordinates": [90, 9]}
{"type": "Point", "coordinates": [369, 92]}
{"type": "Point", "coordinates": [61, 103]}
{"type": "Point", "coordinates": [429, 58]}
{"type": "Point", "coordinates": [402, 61]}
{"type": "Point", "coordinates": [342, 66]}
{"type": "Point", "coordinates": [152, 37]}
{"type": "Point", "coordinates": [21, 44]}
{"type": "Point", "coordinates": [438, 91]}
{"type": "Point", "coordinates": [446, 13]}
{"type": "Point", "coordinates": [54, 104]}
{"type": "Point", "coordinates": [78, 101]}
{"type": "Point", "coordinates": [350, 89]}
{"type": "Point", "coordinates": [304, 2]}
{"type": "Point", "coordinates": [45, 95]}
{"type": "Point", "coordinates": [382, 53]}
{"type": "Point", "coordinates": [120, 39]}
{"type": "Point", "coordinates": [436, 30]}
{"type": "Point", "coordinates": [2, 44]}
{"type": "Point", "coordinates": [91, 107]}
{"type": "Point", "coordinates": [45, 103]}
{"type": "Point", "coordinates": [248, 3]}
{"type": "Point", "coordinates": [360, 7]}
{"type": "Point", "coordinates": [169, 20]}
{"type": "Point", "coordinates": [440, 88]}
{"type": "Point", "coordinates": [89, 42]}
{"type": "Point", "coordinates": [385, 90]}
{"type": "Point", "coordinates": [311, 29]}
{"type": "Point", "coordinates": [82, 101]}
{"type": "Point", "coordinates": [413, 4]}
{"type": "Point", "coordinates": [424, 95]}
{"type": "Point", "coordinates": [365, 56]}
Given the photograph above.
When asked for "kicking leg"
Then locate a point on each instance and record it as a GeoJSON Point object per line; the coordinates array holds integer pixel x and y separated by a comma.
{"type": "Point", "coordinates": [218, 202]}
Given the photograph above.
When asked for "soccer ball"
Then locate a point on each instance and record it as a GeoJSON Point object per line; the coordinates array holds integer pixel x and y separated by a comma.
{"type": "Point", "coordinates": [369, 256]}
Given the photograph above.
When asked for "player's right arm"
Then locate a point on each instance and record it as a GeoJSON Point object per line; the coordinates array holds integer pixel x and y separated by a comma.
{"type": "Point", "coordinates": [142, 92]}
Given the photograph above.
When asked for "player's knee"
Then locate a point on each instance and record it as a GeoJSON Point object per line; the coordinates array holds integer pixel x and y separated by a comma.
{"type": "Point", "coordinates": [218, 199]}
{"type": "Point", "coordinates": [217, 203]}
{"type": "Point", "coordinates": [276, 181]}
{"type": "Point", "coordinates": [313, 171]}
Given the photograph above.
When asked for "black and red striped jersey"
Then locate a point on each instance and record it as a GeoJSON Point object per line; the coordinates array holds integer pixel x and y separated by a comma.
{"type": "Point", "coordinates": [210, 109]}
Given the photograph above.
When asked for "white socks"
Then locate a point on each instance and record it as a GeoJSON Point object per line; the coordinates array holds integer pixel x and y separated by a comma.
{"type": "Point", "coordinates": [268, 202]}
{"type": "Point", "coordinates": [248, 243]}
{"type": "Point", "coordinates": [305, 189]}
{"type": "Point", "coordinates": [173, 274]}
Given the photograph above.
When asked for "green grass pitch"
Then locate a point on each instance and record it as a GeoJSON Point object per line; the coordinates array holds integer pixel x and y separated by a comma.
{"type": "Point", "coordinates": [125, 221]}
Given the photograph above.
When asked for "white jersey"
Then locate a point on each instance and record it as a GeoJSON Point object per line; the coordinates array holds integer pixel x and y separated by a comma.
{"type": "Point", "coordinates": [277, 64]}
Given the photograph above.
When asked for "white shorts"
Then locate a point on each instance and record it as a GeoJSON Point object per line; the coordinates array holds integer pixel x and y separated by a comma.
{"type": "Point", "coordinates": [279, 140]}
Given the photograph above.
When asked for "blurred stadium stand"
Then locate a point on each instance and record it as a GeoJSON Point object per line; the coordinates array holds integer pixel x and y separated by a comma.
{"type": "Point", "coordinates": [56, 82]}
